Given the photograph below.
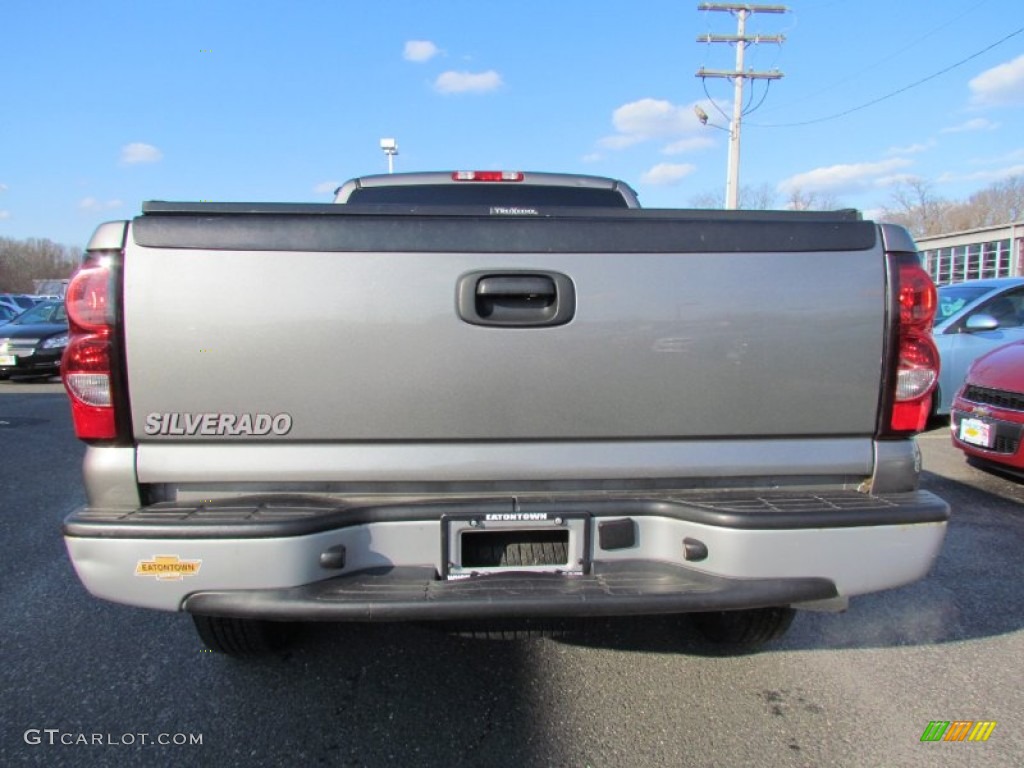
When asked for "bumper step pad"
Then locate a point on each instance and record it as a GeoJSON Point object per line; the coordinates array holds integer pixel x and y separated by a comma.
{"type": "Point", "coordinates": [611, 589]}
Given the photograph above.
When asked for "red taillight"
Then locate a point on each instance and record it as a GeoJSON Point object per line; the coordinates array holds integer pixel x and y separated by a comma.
{"type": "Point", "coordinates": [88, 299]}
{"type": "Point", "coordinates": [916, 375]}
{"type": "Point", "coordinates": [917, 298]}
{"type": "Point", "coordinates": [917, 358]}
{"type": "Point", "coordinates": [86, 365]}
{"type": "Point", "coordinates": [488, 176]}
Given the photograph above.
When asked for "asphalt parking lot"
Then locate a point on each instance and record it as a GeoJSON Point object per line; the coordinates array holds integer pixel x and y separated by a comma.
{"type": "Point", "coordinates": [92, 683]}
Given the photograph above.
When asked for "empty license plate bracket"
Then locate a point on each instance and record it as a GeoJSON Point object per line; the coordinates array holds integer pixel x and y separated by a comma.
{"type": "Point", "coordinates": [515, 542]}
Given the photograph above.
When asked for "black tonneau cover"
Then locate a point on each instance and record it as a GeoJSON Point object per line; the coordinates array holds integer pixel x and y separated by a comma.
{"type": "Point", "coordinates": [480, 229]}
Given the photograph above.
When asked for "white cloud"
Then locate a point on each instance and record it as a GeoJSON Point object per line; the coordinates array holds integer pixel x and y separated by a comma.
{"type": "Point", "coordinates": [845, 178]}
{"type": "Point", "coordinates": [977, 124]}
{"type": "Point", "coordinates": [912, 149]}
{"type": "Point", "coordinates": [1012, 157]}
{"type": "Point", "coordinates": [4, 187]}
{"type": "Point", "coordinates": [894, 179]}
{"type": "Point", "coordinates": [648, 119]}
{"type": "Point", "coordinates": [619, 141]}
{"type": "Point", "coordinates": [593, 157]}
{"type": "Point", "coordinates": [982, 176]}
{"type": "Point", "coordinates": [1000, 85]}
{"type": "Point", "coordinates": [5, 214]}
{"type": "Point", "coordinates": [467, 82]}
{"type": "Point", "coordinates": [138, 152]}
{"type": "Point", "coordinates": [667, 174]}
{"type": "Point", "coordinates": [652, 117]}
{"type": "Point", "coordinates": [92, 205]}
{"type": "Point", "coordinates": [420, 50]}
{"type": "Point", "coordinates": [688, 145]}
{"type": "Point", "coordinates": [326, 187]}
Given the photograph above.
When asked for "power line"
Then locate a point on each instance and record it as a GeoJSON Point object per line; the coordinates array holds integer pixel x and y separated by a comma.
{"type": "Point", "coordinates": [904, 89]}
{"type": "Point", "coordinates": [875, 64]}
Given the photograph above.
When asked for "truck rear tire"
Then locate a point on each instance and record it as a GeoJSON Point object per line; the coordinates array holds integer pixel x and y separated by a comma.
{"type": "Point", "coordinates": [746, 629]}
{"type": "Point", "coordinates": [242, 637]}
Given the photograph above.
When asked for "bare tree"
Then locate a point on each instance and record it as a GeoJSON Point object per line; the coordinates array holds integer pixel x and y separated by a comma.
{"type": "Point", "coordinates": [22, 261]}
{"type": "Point", "coordinates": [801, 200]}
{"type": "Point", "coordinates": [760, 198]}
{"type": "Point", "coordinates": [916, 207]}
{"type": "Point", "coordinates": [913, 203]}
{"type": "Point", "coordinates": [999, 203]}
{"type": "Point", "coordinates": [710, 200]}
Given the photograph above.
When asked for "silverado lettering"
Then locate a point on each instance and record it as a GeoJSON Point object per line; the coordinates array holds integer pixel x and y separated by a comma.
{"type": "Point", "coordinates": [217, 424]}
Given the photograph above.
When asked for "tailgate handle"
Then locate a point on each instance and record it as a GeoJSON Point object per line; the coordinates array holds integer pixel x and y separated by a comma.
{"type": "Point", "coordinates": [536, 289]}
{"type": "Point", "coordinates": [516, 299]}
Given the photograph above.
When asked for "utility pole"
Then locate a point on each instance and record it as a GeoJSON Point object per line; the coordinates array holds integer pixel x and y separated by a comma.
{"type": "Point", "coordinates": [738, 76]}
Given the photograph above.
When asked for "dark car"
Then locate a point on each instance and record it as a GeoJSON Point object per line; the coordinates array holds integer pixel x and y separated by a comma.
{"type": "Point", "coordinates": [31, 344]}
{"type": "Point", "coordinates": [988, 412]}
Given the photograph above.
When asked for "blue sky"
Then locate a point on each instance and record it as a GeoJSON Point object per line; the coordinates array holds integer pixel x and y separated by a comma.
{"type": "Point", "coordinates": [108, 104]}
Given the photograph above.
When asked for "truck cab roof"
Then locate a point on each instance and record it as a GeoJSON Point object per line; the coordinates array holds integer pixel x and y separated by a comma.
{"type": "Point", "coordinates": [511, 188]}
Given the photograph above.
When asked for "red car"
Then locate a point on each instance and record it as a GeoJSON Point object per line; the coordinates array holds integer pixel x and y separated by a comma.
{"type": "Point", "coordinates": [988, 412]}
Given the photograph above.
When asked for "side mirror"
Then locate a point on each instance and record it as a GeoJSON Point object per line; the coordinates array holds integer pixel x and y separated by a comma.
{"type": "Point", "coordinates": [981, 322]}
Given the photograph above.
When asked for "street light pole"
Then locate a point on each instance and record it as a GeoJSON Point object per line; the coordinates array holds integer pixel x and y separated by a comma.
{"type": "Point", "coordinates": [390, 147]}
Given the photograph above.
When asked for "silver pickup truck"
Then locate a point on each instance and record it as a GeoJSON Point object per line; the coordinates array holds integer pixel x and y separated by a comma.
{"type": "Point", "coordinates": [498, 398]}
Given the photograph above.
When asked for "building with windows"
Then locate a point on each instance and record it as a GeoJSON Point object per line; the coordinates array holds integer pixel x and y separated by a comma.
{"type": "Point", "coordinates": [973, 254]}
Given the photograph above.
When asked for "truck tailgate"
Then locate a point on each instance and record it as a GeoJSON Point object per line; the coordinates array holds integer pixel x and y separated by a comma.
{"type": "Point", "coordinates": [368, 345]}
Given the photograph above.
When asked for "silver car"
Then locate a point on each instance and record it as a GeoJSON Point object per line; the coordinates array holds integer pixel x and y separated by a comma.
{"type": "Point", "coordinates": [974, 317]}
